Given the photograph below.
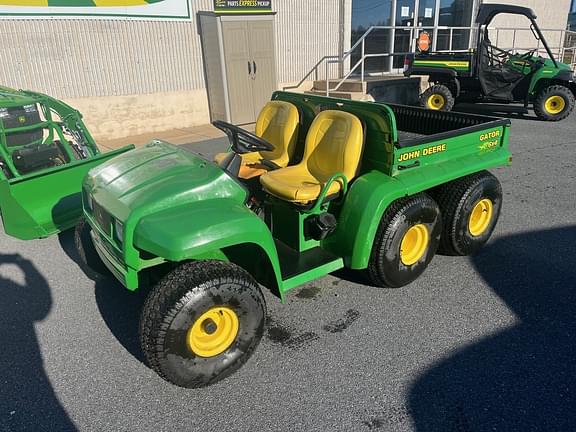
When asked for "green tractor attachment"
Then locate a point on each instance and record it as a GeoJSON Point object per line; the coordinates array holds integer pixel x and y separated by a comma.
{"type": "Point", "coordinates": [45, 152]}
{"type": "Point", "coordinates": [495, 75]}
{"type": "Point", "coordinates": [321, 185]}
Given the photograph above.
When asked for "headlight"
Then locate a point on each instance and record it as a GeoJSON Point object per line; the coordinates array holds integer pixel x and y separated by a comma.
{"type": "Point", "coordinates": [118, 231]}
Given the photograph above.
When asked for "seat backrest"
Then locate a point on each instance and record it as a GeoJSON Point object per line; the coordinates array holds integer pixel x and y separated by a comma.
{"type": "Point", "coordinates": [334, 144]}
{"type": "Point", "coordinates": [278, 123]}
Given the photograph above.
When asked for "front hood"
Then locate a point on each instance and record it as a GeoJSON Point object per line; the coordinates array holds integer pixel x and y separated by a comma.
{"type": "Point", "coordinates": [548, 63]}
{"type": "Point", "coordinates": [158, 176]}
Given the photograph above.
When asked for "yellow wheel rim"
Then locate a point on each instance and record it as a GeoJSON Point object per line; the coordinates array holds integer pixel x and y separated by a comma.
{"type": "Point", "coordinates": [436, 102]}
{"type": "Point", "coordinates": [414, 244]}
{"type": "Point", "coordinates": [480, 217]}
{"type": "Point", "coordinates": [555, 104]}
{"type": "Point", "coordinates": [213, 332]}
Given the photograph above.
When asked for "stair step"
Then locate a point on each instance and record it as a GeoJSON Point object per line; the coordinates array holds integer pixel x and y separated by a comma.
{"type": "Point", "coordinates": [347, 86]}
{"type": "Point", "coordinates": [357, 96]}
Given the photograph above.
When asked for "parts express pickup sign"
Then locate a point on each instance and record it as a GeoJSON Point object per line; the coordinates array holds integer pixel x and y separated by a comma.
{"type": "Point", "coordinates": [242, 6]}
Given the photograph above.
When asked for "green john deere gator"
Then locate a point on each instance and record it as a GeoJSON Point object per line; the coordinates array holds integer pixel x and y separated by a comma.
{"type": "Point", "coordinates": [45, 152]}
{"type": "Point", "coordinates": [322, 184]}
{"type": "Point", "coordinates": [490, 74]}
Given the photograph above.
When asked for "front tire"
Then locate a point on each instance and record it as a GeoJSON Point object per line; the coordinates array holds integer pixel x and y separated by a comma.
{"type": "Point", "coordinates": [437, 98]}
{"type": "Point", "coordinates": [406, 241]}
{"type": "Point", "coordinates": [554, 103]}
{"type": "Point", "coordinates": [470, 210]}
{"type": "Point", "coordinates": [90, 261]}
{"type": "Point", "coordinates": [202, 322]}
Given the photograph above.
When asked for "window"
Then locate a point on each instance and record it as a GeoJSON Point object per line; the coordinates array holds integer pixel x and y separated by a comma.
{"type": "Point", "coordinates": [367, 13]}
{"type": "Point", "coordinates": [407, 14]}
{"type": "Point", "coordinates": [455, 13]}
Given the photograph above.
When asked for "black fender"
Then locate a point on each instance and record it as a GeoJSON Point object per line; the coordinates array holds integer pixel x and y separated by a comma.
{"type": "Point", "coordinates": [434, 71]}
{"type": "Point", "coordinates": [565, 75]}
{"type": "Point", "coordinates": [448, 77]}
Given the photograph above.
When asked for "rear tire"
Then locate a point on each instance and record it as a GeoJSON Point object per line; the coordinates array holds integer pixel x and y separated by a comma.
{"type": "Point", "coordinates": [470, 210]}
{"type": "Point", "coordinates": [406, 241]}
{"type": "Point", "coordinates": [554, 103]}
{"type": "Point", "coordinates": [202, 322]}
{"type": "Point", "coordinates": [437, 98]}
{"type": "Point", "coordinates": [90, 261]}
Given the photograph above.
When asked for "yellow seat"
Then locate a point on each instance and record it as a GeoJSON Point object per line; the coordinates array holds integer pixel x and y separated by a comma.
{"type": "Point", "coordinates": [277, 123]}
{"type": "Point", "coordinates": [333, 145]}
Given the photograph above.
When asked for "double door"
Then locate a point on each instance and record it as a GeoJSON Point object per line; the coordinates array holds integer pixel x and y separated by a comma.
{"type": "Point", "coordinates": [250, 66]}
{"type": "Point", "coordinates": [411, 15]}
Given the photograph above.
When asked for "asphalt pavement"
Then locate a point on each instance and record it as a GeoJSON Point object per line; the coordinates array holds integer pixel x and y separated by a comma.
{"type": "Point", "coordinates": [485, 343]}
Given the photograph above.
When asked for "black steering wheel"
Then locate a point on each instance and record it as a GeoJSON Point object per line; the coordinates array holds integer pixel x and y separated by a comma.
{"type": "Point", "coordinates": [242, 141]}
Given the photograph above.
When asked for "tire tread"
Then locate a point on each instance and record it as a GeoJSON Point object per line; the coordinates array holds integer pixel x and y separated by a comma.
{"type": "Point", "coordinates": [544, 94]}
{"type": "Point", "coordinates": [385, 232]}
{"type": "Point", "coordinates": [168, 292]}
{"type": "Point", "coordinates": [451, 198]}
{"type": "Point", "coordinates": [438, 89]}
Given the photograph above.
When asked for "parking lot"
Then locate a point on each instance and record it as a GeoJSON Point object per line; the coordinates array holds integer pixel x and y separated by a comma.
{"type": "Point", "coordinates": [476, 344]}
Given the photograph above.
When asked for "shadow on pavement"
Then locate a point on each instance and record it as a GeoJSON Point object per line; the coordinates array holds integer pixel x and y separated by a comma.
{"type": "Point", "coordinates": [522, 378]}
{"type": "Point", "coordinates": [27, 400]}
{"type": "Point", "coordinates": [494, 110]}
{"type": "Point", "coordinates": [119, 307]}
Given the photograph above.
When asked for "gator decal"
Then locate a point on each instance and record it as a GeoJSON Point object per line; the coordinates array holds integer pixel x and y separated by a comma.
{"type": "Point", "coordinates": [458, 65]}
{"type": "Point", "coordinates": [489, 140]}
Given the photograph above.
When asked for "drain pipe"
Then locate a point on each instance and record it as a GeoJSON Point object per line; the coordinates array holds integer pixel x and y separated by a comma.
{"type": "Point", "coordinates": [341, 29]}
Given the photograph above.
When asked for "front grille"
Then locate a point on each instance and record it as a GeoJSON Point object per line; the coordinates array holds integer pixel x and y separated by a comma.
{"type": "Point", "coordinates": [102, 218]}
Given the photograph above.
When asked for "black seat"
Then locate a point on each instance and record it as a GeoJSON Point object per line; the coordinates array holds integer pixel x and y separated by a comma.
{"type": "Point", "coordinates": [498, 79]}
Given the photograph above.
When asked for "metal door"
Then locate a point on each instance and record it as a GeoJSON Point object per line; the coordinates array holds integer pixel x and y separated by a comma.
{"type": "Point", "coordinates": [427, 17]}
{"type": "Point", "coordinates": [406, 19]}
{"type": "Point", "coordinates": [238, 71]}
{"type": "Point", "coordinates": [261, 38]}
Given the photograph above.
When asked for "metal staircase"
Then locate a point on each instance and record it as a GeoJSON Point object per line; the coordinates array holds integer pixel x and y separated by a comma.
{"type": "Point", "coordinates": [336, 76]}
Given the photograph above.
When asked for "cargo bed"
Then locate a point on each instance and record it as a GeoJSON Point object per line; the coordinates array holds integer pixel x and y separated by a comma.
{"type": "Point", "coordinates": [418, 126]}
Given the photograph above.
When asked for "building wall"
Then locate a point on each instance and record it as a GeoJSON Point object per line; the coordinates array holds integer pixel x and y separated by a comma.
{"type": "Point", "coordinates": [133, 76]}
{"type": "Point", "coordinates": [549, 17]}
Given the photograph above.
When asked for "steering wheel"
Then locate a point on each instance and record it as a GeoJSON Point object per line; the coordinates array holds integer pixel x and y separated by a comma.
{"type": "Point", "coordinates": [242, 141]}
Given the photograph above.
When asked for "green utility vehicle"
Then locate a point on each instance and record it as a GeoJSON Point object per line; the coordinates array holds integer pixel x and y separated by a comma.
{"type": "Point", "coordinates": [45, 152]}
{"type": "Point", "coordinates": [490, 74]}
{"type": "Point", "coordinates": [367, 186]}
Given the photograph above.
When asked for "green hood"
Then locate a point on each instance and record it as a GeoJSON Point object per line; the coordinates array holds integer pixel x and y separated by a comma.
{"type": "Point", "coordinates": [156, 177]}
{"type": "Point", "coordinates": [550, 64]}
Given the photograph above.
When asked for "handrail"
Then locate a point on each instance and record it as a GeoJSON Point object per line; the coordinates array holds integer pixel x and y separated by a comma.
{"type": "Point", "coordinates": [314, 69]}
{"type": "Point", "coordinates": [561, 50]}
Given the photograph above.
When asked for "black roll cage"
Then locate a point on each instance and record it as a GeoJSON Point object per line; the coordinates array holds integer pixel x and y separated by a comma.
{"type": "Point", "coordinates": [488, 12]}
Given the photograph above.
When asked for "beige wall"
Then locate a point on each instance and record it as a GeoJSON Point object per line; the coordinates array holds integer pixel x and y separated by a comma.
{"type": "Point", "coordinates": [136, 76]}
{"type": "Point", "coordinates": [111, 117]}
{"type": "Point", "coordinates": [552, 14]}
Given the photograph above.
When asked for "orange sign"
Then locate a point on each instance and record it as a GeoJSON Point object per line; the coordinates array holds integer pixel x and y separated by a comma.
{"type": "Point", "coordinates": [424, 42]}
